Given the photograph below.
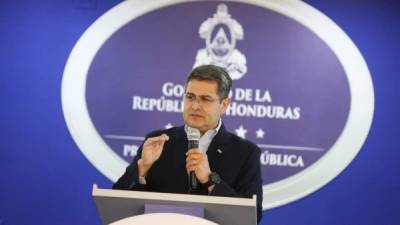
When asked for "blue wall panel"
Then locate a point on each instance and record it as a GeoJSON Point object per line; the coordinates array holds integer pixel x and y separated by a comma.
{"type": "Point", "coordinates": [46, 179]}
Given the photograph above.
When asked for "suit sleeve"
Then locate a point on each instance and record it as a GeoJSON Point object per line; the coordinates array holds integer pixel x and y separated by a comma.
{"type": "Point", "coordinates": [248, 182]}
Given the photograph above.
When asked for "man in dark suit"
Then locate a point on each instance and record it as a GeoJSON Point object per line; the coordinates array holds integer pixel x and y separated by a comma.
{"type": "Point", "coordinates": [224, 164]}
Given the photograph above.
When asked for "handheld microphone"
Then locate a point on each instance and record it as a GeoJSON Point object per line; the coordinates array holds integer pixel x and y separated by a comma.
{"type": "Point", "coordinates": [193, 136]}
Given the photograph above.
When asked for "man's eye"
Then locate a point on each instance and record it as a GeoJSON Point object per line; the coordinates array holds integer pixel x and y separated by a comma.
{"type": "Point", "coordinates": [189, 97]}
{"type": "Point", "coordinates": [207, 99]}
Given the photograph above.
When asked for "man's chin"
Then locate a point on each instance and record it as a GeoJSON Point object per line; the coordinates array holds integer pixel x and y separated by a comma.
{"type": "Point", "coordinates": [193, 124]}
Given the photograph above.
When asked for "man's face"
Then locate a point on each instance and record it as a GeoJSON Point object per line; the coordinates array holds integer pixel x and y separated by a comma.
{"type": "Point", "coordinates": [202, 105]}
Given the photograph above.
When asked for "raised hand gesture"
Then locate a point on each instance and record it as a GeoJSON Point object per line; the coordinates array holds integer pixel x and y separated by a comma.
{"type": "Point", "coordinates": [152, 149]}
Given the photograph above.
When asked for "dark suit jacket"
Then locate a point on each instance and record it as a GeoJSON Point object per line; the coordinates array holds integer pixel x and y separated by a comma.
{"type": "Point", "coordinates": [236, 160]}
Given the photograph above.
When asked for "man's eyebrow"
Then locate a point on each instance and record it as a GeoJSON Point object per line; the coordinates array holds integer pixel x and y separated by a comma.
{"type": "Point", "coordinates": [202, 96]}
{"type": "Point", "coordinates": [205, 96]}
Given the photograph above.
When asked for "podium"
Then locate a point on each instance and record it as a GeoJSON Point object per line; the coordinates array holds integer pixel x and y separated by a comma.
{"type": "Point", "coordinates": [115, 205]}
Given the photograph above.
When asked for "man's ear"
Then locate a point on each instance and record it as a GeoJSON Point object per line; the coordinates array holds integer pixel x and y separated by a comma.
{"type": "Point", "coordinates": [224, 105]}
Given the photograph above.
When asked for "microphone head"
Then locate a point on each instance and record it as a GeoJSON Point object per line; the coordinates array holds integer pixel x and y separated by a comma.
{"type": "Point", "coordinates": [193, 134]}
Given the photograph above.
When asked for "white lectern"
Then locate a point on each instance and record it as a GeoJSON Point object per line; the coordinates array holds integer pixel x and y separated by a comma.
{"type": "Point", "coordinates": [114, 205]}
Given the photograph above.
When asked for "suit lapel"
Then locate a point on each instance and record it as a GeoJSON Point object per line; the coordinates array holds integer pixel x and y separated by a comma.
{"type": "Point", "coordinates": [218, 148]}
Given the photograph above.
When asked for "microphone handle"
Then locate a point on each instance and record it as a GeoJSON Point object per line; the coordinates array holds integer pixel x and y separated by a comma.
{"type": "Point", "coordinates": [193, 144]}
{"type": "Point", "coordinates": [193, 179]}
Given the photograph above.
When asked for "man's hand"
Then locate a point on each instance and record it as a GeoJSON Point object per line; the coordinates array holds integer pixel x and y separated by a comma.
{"type": "Point", "coordinates": [197, 161]}
{"type": "Point", "coordinates": [152, 149]}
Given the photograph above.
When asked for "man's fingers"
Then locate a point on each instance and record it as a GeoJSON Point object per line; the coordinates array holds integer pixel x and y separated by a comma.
{"type": "Point", "coordinates": [157, 140]}
{"type": "Point", "coordinates": [192, 156]}
{"type": "Point", "coordinates": [165, 137]}
{"type": "Point", "coordinates": [197, 161]}
{"type": "Point", "coordinates": [190, 168]}
{"type": "Point", "coordinates": [191, 162]}
{"type": "Point", "coordinates": [194, 151]}
{"type": "Point", "coordinates": [153, 147]}
{"type": "Point", "coordinates": [161, 138]}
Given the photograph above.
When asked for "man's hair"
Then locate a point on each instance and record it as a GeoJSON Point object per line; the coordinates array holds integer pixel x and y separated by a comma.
{"type": "Point", "coordinates": [213, 73]}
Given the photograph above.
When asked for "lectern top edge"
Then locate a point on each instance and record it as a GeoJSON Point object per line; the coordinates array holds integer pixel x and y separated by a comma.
{"type": "Point", "coordinates": [173, 197]}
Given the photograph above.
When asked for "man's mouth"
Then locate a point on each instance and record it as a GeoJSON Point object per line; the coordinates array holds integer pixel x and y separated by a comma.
{"type": "Point", "coordinates": [195, 115]}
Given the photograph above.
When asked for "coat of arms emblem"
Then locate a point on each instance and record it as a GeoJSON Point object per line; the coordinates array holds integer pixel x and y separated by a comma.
{"type": "Point", "coordinates": [221, 33]}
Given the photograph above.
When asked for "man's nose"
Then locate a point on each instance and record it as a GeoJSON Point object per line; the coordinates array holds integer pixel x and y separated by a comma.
{"type": "Point", "coordinates": [195, 104]}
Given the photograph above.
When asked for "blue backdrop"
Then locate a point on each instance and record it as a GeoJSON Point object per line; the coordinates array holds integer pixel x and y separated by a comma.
{"type": "Point", "coordinates": [46, 179]}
